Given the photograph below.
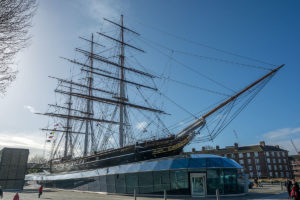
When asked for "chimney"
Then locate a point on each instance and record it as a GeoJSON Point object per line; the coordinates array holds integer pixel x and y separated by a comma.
{"type": "Point", "coordinates": [193, 149]}
{"type": "Point", "coordinates": [236, 145]}
{"type": "Point", "coordinates": [217, 147]}
{"type": "Point", "coordinates": [277, 146]}
{"type": "Point", "coordinates": [203, 148]}
{"type": "Point", "coordinates": [262, 143]}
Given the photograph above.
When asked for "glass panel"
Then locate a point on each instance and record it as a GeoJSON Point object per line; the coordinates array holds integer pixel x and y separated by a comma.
{"type": "Point", "coordinates": [198, 163]}
{"type": "Point", "coordinates": [198, 186]}
{"type": "Point", "coordinates": [179, 182]}
{"type": "Point", "coordinates": [215, 162]}
{"type": "Point", "coordinates": [161, 181]}
{"type": "Point", "coordinates": [230, 181]}
{"type": "Point", "coordinates": [94, 184]}
{"type": "Point", "coordinates": [180, 163]}
{"type": "Point", "coordinates": [241, 181]}
{"type": "Point", "coordinates": [120, 183]}
{"type": "Point", "coordinates": [131, 181]}
{"type": "Point", "coordinates": [147, 166]}
{"type": "Point", "coordinates": [163, 165]}
{"type": "Point", "coordinates": [110, 181]}
{"type": "Point", "coordinates": [215, 181]}
{"type": "Point", "coordinates": [103, 186]}
{"type": "Point", "coordinates": [134, 167]}
{"type": "Point", "coordinates": [145, 182]}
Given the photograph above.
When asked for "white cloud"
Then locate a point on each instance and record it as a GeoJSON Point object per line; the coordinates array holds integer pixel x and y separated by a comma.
{"type": "Point", "coordinates": [34, 141]}
{"type": "Point", "coordinates": [31, 109]}
{"type": "Point", "coordinates": [141, 125]}
{"type": "Point", "coordinates": [282, 133]}
{"type": "Point", "coordinates": [282, 137]}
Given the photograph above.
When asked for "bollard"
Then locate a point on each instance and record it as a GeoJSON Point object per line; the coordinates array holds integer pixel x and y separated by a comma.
{"type": "Point", "coordinates": [134, 194]}
{"type": "Point", "coordinates": [217, 194]}
{"type": "Point", "coordinates": [165, 195]}
{"type": "Point", "coordinates": [281, 185]}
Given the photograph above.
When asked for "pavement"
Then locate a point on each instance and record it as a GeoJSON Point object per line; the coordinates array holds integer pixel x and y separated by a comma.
{"type": "Point", "coordinates": [267, 192]}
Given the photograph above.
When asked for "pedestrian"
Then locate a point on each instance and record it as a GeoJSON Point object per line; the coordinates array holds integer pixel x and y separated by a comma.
{"type": "Point", "coordinates": [295, 191]}
{"type": "Point", "coordinates": [16, 197]}
{"type": "Point", "coordinates": [288, 185]}
{"type": "Point", "coordinates": [256, 182]}
{"type": "Point", "coordinates": [1, 192]}
{"type": "Point", "coordinates": [40, 191]}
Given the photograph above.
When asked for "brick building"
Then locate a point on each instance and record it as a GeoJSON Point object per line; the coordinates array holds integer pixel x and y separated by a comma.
{"type": "Point", "coordinates": [295, 164]}
{"type": "Point", "coordinates": [263, 161]}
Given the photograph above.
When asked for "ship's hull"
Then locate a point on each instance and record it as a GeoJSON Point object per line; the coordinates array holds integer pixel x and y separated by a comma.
{"type": "Point", "coordinates": [141, 151]}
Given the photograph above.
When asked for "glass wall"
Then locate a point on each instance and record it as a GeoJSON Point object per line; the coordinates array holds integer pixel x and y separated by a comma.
{"type": "Point", "coordinates": [215, 180]}
{"type": "Point", "coordinates": [153, 177]}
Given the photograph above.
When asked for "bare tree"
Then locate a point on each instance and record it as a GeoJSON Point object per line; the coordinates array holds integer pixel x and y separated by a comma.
{"type": "Point", "coordinates": [15, 21]}
{"type": "Point", "coordinates": [37, 159]}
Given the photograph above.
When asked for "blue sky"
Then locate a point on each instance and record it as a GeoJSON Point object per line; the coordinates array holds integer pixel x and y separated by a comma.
{"type": "Point", "coordinates": [264, 30]}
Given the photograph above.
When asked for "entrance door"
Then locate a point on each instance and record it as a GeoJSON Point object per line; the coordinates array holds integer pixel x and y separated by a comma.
{"type": "Point", "coordinates": [198, 184]}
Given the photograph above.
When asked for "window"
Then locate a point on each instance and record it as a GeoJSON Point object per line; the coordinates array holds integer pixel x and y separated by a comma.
{"type": "Point", "coordinates": [256, 154]}
{"type": "Point", "coordinates": [268, 160]}
{"type": "Point", "coordinates": [257, 167]}
{"type": "Point", "coordinates": [282, 175]}
{"type": "Point", "coordinates": [240, 155]}
{"type": "Point", "coordinates": [248, 155]}
{"type": "Point", "coordinates": [284, 160]}
{"type": "Point", "coordinates": [249, 161]}
{"type": "Point", "coordinates": [269, 167]}
{"type": "Point", "coordinates": [267, 153]}
{"type": "Point", "coordinates": [280, 167]}
{"type": "Point", "coordinates": [274, 160]}
{"type": "Point", "coordinates": [276, 174]}
{"type": "Point", "coordinates": [256, 161]}
{"type": "Point", "coordinates": [281, 154]}
{"type": "Point", "coordinates": [287, 174]}
{"type": "Point", "coordinates": [259, 174]}
{"type": "Point", "coordinates": [251, 174]}
{"type": "Point", "coordinates": [273, 154]}
{"type": "Point", "coordinates": [275, 167]}
{"type": "Point", "coordinates": [271, 174]}
{"type": "Point", "coordinates": [278, 154]}
{"type": "Point", "coordinates": [241, 161]}
{"type": "Point", "coordinates": [250, 168]}
{"type": "Point", "coordinates": [279, 160]}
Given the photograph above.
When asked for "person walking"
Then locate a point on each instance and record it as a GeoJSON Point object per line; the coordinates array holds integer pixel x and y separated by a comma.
{"type": "Point", "coordinates": [288, 185]}
{"type": "Point", "coordinates": [40, 191]}
{"type": "Point", "coordinates": [16, 197]}
{"type": "Point", "coordinates": [295, 191]}
{"type": "Point", "coordinates": [1, 192]}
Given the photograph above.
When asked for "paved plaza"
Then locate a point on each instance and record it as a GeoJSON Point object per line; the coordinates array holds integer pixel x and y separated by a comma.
{"type": "Point", "coordinates": [30, 193]}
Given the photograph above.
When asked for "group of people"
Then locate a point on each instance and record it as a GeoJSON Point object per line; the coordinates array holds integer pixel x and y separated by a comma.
{"type": "Point", "coordinates": [16, 197]}
{"type": "Point", "coordinates": [292, 188]}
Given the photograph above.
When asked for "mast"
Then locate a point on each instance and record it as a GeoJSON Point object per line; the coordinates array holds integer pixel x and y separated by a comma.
{"type": "Point", "coordinates": [89, 105]}
{"type": "Point", "coordinates": [122, 90]}
{"type": "Point", "coordinates": [201, 121]}
{"type": "Point", "coordinates": [68, 127]}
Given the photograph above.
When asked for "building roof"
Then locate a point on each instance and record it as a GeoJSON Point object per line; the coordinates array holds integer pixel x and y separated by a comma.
{"type": "Point", "coordinates": [243, 149]}
{"type": "Point", "coordinates": [295, 157]}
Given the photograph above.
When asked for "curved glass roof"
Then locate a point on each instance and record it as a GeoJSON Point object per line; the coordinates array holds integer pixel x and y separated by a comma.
{"type": "Point", "coordinates": [190, 161]}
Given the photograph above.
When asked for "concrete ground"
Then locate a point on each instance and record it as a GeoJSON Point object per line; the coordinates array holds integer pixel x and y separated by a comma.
{"type": "Point", "coordinates": [267, 192]}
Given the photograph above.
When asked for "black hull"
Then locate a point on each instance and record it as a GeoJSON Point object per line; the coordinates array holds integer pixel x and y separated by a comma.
{"type": "Point", "coordinates": [143, 151]}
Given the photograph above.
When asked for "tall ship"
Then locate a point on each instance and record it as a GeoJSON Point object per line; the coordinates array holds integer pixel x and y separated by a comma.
{"type": "Point", "coordinates": [91, 123]}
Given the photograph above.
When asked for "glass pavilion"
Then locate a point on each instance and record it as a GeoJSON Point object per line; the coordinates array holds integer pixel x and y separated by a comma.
{"type": "Point", "coordinates": [192, 174]}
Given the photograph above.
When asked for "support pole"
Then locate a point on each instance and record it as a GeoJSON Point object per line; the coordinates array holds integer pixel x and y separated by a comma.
{"type": "Point", "coordinates": [134, 194]}
{"type": "Point", "coordinates": [217, 194]}
{"type": "Point", "coordinates": [165, 194]}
